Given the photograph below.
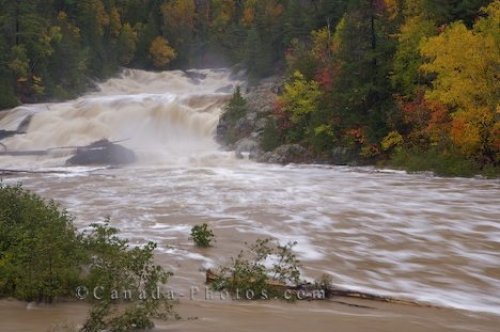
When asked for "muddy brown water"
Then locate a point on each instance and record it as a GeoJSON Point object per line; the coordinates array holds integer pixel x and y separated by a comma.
{"type": "Point", "coordinates": [418, 237]}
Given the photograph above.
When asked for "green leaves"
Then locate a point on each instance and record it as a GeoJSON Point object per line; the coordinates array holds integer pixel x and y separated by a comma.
{"type": "Point", "coordinates": [263, 269]}
{"type": "Point", "coordinates": [407, 61]}
{"type": "Point", "coordinates": [43, 257]}
{"type": "Point", "coordinates": [202, 235]}
{"type": "Point", "coordinates": [38, 248]}
{"type": "Point", "coordinates": [161, 52]}
{"type": "Point", "coordinates": [300, 97]}
{"type": "Point", "coordinates": [465, 62]}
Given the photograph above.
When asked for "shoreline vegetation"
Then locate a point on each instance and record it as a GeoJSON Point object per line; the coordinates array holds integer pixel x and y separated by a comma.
{"type": "Point", "coordinates": [404, 84]}
{"type": "Point", "coordinates": [248, 126]}
{"type": "Point", "coordinates": [44, 259]}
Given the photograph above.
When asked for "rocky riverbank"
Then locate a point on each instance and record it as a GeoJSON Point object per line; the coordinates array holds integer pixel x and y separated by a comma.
{"type": "Point", "coordinates": [249, 128]}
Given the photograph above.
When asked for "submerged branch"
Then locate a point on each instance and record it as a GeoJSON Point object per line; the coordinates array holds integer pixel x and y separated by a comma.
{"type": "Point", "coordinates": [310, 292]}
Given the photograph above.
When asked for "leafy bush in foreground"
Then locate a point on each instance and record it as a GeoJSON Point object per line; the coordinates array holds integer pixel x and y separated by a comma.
{"type": "Point", "coordinates": [264, 269]}
{"type": "Point", "coordinates": [40, 252]}
{"type": "Point", "coordinates": [43, 257]}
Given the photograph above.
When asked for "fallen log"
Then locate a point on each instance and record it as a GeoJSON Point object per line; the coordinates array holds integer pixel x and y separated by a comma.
{"type": "Point", "coordinates": [16, 153]}
{"type": "Point", "coordinates": [310, 292]}
{"type": "Point", "coordinates": [7, 133]}
{"type": "Point", "coordinates": [5, 172]}
{"type": "Point", "coordinates": [102, 152]}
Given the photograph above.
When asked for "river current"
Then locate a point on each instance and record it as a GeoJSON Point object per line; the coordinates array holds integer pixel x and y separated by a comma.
{"type": "Point", "coordinates": [412, 236]}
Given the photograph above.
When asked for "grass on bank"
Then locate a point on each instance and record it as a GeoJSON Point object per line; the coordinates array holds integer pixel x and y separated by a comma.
{"type": "Point", "coordinates": [440, 164]}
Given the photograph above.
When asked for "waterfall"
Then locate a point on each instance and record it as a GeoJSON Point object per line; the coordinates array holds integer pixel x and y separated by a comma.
{"type": "Point", "coordinates": [165, 117]}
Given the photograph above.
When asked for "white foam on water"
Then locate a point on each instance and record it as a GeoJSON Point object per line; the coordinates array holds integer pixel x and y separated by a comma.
{"type": "Point", "coordinates": [166, 118]}
{"type": "Point", "coordinates": [387, 232]}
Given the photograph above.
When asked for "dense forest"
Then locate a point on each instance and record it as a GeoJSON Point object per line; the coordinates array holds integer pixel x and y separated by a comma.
{"type": "Point", "coordinates": [413, 82]}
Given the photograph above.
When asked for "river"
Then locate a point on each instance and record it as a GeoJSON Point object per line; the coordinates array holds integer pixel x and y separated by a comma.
{"type": "Point", "coordinates": [413, 236]}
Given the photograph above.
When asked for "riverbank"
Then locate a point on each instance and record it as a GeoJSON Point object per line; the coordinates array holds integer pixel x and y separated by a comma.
{"type": "Point", "coordinates": [250, 126]}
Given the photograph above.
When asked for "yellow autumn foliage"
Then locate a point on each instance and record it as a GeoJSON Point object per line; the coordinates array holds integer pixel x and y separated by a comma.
{"type": "Point", "coordinates": [161, 52]}
{"type": "Point", "coordinates": [472, 130]}
{"type": "Point", "coordinates": [115, 22]}
{"type": "Point", "coordinates": [300, 97]}
{"type": "Point", "coordinates": [392, 140]}
{"type": "Point", "coordinates": [179, 13]}
{"type": "Point", "coordinates": [465, 62]}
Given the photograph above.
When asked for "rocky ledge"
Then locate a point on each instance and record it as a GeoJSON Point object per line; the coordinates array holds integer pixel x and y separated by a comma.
{"type": "Point", "coordinates": [245, 133]}
{"type": "Point", "coordinates": [102, 152]}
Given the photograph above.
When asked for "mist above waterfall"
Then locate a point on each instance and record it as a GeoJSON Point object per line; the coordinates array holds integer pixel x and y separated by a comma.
{"type": "Point", "coordinates": [166, 117]}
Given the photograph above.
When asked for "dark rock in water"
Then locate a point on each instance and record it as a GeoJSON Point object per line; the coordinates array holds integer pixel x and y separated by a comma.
{"type": "Point", "coordinates": [195, 77]}
{"type": "Point", "coordinates": [102, 152]}
{"type": "Point", "coordinates": [7, 133]}
{"type": "Point", "coordinates": [23, 126]}
{"type": "Point", "coordinates": [21, 129]}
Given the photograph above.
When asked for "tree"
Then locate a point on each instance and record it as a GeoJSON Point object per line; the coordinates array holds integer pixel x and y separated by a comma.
{"type": "Point", "coordinates": [361, 88]}
{"type": "Point", "coordinates": [68, 65]}
{"type": "Point", "coordinates": [300, 100]}
{"type": "Point", "coordinates": [258, 57]}
{"type": "Point", "coordinates": [407, 77]}
{"type": "Point", "coordinates": [178, 25]}
{"type": "Point", "coordinates": [127, 44]}
{"type": "Point", "coordinates": [466, 65]}
{"type": "Point", "coordinates": [161, 52]}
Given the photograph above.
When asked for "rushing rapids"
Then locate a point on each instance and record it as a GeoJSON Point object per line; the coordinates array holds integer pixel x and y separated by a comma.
{"type": "Point", "coordinates": [165, 118]}
{"type": "Point", "coordinates": [418, 237]}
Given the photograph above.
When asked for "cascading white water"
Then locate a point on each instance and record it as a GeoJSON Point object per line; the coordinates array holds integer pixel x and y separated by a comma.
{"type": "Point", "coordinates": [167, 117]}
{"type": "Point", "coordinates": [408, 235]}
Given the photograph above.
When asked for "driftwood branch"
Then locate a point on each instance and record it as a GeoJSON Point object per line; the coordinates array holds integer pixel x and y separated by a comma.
{"type": "Point", "coordinates": [15, 153]}
{"type": "Point", "coordinates": [4, 172]}
{"type": "Point", "coordinates": [308, 291]}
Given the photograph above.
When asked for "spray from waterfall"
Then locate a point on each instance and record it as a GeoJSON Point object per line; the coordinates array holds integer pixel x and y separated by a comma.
{"type": "Point", "coordinates": [167, 117]}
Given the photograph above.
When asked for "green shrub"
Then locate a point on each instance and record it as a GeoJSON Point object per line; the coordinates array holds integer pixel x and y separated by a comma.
{"type": "Point", "coordinates": [202, 235]}
{"type": "Point", "coordinates": [40, 253]}
{"type": "Point", "coordinates": [250, 271]}
{"type": "Point", "coordinates": [8, 97]}
{"type": "Point", "coordinates": [440, 163]}
{"type": "Point", "coordinates": [42, 256]}
{"type": "Point", "coordinates": [234, 111]}
{"type": "Point", "coordinates": [236, 108]}
{"type": "Point", "coordinates": [271, 137]}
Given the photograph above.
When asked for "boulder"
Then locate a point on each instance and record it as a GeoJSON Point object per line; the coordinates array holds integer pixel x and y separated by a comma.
{"type": "Point", "coordinates": [102, 152]}
{"type": "Point", "coordinates": [246, 145]}
{"type": "Point", "coordinates": [7, 133]}
{"type": "Point", "coordinates": [23, 126]}
{"type": "Point", "coordinates": [285, 154]}
{"type": "Point", "coordinates": [195, 77]}
{"type": "Point", "coordinates": [21, 129]}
